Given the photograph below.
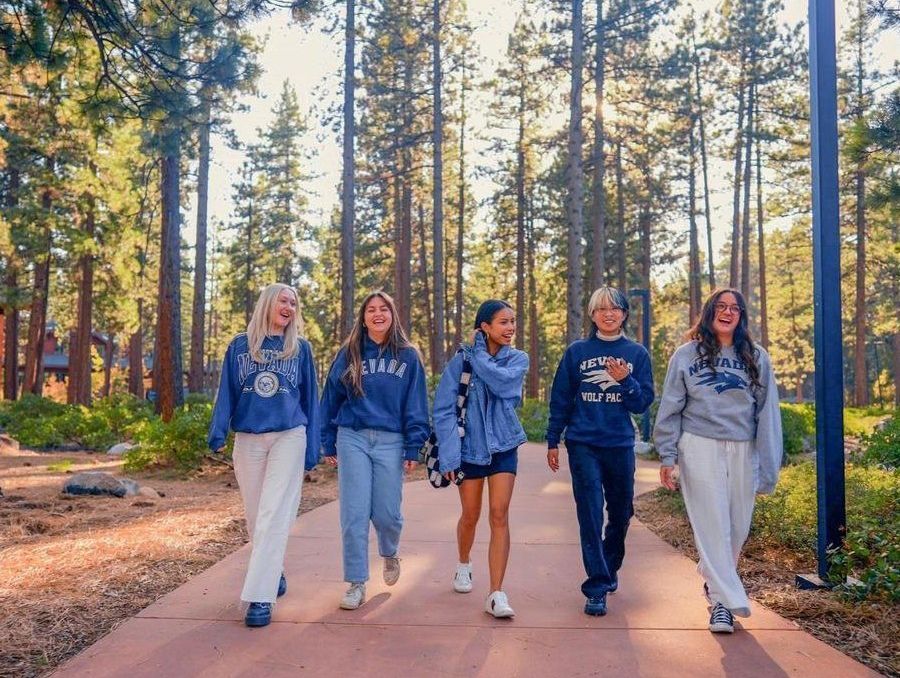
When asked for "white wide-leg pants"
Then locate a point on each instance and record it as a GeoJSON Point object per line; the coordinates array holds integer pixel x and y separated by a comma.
{"type": "Point", "coordinates": [718, 488]}
{"type": "Point", "coordinates": [269, 471]}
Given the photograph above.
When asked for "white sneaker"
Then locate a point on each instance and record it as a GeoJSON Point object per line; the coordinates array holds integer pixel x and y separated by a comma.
{"type": "Point", "coordinates": [391, 570]}
{"type": "Point", "coordinates": [497, 604]}
{"type": "Point", "coordinates": [354, 597]}
{"type": "Point", "coordinates": [462, 580]}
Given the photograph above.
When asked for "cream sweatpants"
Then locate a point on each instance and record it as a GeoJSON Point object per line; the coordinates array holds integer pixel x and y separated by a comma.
{"type": "Point", "coordinates": [269, 471]}
{"type": "Point", "coordinates": [717, 484]}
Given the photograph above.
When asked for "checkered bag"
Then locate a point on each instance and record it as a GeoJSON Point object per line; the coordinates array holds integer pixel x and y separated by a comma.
{"type": "Point", "coordinates": [430, 450]}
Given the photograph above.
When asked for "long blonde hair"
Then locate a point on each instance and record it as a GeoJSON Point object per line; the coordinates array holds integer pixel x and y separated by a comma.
{"type": "Point", "coordinates": [258, 327]}
{"type": "Point", "coordinates": [396, 340]}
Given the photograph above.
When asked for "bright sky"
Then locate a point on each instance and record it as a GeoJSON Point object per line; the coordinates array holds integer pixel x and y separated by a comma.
{"type": "Point", "coordinates": [310, 60]}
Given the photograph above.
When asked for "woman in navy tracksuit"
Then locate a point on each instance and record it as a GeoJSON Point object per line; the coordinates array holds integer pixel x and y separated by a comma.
{"type": "Point", "coordinates": [375, 419]}
{"type": "Point", "coordinates": [601, 381]}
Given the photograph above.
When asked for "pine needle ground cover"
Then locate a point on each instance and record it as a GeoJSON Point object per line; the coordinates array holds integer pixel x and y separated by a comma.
{"type": "Point", "coordinates": [75, 567]}
{"type": "Point", "coordinates": [861, 622]}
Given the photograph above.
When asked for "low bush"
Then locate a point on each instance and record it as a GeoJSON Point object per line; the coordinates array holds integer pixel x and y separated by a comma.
{"type": "Point", "coordinates": [882, 448]}
{"type": "Point", "coordinates": [179, 443]}
{"type": "Point", "coordinates": [798, 427]}
{"type": "Point", "coordinates": [787, 518]}
{"type": "Point", "coordinates": [533, 415]}
{"type": "Point", "coordinates": [861, 421]}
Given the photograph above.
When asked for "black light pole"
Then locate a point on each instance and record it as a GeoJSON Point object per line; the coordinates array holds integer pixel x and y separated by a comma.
{"type": "Point", "coordinates": [826, 289]}
{"type": "Point", "coordinates": [645, 339]}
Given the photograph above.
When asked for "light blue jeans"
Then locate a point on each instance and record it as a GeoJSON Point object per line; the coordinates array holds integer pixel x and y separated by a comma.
{"type": "Point", "coordinates": [370, 480]}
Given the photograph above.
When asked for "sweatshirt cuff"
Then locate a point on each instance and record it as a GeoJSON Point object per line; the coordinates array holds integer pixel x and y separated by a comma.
{"type": "Point", "coordinates": [630, 384]}
{"type": "Point", "coordinates": [411, 453]}
{"type": "Point", "coordinates": [552, 443]}
{"type": "Point", "coordinates": [215, 443]}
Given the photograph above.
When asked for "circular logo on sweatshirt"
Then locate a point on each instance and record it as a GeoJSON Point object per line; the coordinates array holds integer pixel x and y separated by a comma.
{"type": "Point", "coordinates": [266, 384]}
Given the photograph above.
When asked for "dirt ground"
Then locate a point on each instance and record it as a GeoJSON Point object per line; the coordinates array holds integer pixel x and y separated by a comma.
{"type": "Point", "coordinates": [74, 567]}
{"type": "Point", "coordinates": [866, 631]}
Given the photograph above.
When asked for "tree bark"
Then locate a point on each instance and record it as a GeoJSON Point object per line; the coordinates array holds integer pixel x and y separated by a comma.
{"type": "Point", "coordinates": [534, 366]}
{"type": "Point", "coordinates": [79, 386]}
{"type": "Point", "coordinates": [575, 182]}
{"type": "Point", "coordinates": [761, 245]}
{"type": "Point", "coordinates": [621, 279]}
{"type": "Point", "coordinates": [745, 217]}
{"type": "Point", "coordinates": [860, 371]}
{"type": "Point", "coordinates": [460, 226]}
{"type": "Point", "coordinates": [520, 213]}
{"type": "Point", "coordinates": [348, 187]}
{"type": "Point", "coordinates": [432, 319]}
{"type": "Point", "coordinates": [198, 315]}
{"type": "Point", "coordinates": [440, 339]}
{"type": "Point", "coordinates": [167, 366]}
{"type": "Point", "coordinates": [598, 214]}
{"type": "Point", "coordinates": [11, 309]}
{"type": "Point", "coordinates": [249, 301]}
{"type": "Point", "coordinates": [711, 262]}
{"type": "Point", "coordinates": [734, 269]}
{"type": "Point", "coordinates": [694, 286]}
{"type": "Point", "coordinates": [108, 354]}
{"type": "Point", "coordinates": [136, 356]}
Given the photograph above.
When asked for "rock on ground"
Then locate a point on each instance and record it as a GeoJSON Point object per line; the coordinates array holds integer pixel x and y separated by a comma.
{"type": "Point", "coordinates": [99, 482]}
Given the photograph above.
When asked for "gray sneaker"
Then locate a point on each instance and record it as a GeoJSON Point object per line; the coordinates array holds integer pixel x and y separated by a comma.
{"type": "Point", "coordinates": [354, 597]}
{"type": "Point", "coordinates": [391, 570]}
{"type": "Point", "coordinates": [721, 620]}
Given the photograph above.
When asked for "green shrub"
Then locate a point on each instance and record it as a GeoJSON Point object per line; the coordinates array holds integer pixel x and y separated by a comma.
{"type": "Point", "coordinates": [534, 414]}
{"type": "Point", "coordinates": [179, 443]}
{"type": "Point", "coordinates": [861, 421]}
{"type": "Point", "coordinates": [798, 427]}
{"type": "Point", "coordinates": [788, 518]}
{"type": "Point", "coordinates": [882, 448]}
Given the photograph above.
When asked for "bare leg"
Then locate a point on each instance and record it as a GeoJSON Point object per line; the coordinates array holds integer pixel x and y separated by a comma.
{"type": "Point", "coordinates": [500, 489]}
{"type": "Point", "coordinates": [470, 493]}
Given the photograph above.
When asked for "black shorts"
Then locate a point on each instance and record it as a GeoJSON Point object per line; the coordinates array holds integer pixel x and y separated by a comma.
{"type": "Point", "coordinates": [501, 462]}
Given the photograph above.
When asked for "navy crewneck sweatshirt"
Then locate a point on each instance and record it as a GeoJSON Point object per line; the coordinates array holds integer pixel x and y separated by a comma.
{"type": "Point", "coordinates": [395, 398]}
{"type": "Point", "coordinates": [588, 404]}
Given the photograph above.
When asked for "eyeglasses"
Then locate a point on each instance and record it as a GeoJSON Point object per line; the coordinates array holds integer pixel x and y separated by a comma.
{"type": "Point", "coordinates": [607, 309]}
{"type": "Point", "coordinates": [734, 308]}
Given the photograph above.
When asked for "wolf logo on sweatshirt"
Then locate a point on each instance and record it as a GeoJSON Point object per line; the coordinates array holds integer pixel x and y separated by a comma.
{"type": "Point", "coordinates": [721, 381]}
{"type": "Point", "coordinates": [601, 378]}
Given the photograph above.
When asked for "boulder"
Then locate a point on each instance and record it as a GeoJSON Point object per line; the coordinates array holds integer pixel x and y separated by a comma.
{"type": "Point", "coordinates": [8, 443]}
{"type": "Point", "coordinates": [100, 483]}
{"type": "Point", "coordinates": [119, 449]}
{"type": "Point", "coordinates": [147, 491]}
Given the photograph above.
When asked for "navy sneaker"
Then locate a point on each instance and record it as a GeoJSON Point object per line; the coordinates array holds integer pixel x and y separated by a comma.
{"type": "Point", "coordinates": [614, 586]}
{"type": "Point", "coordinates": [282, 585]}
{"type": "Point", "coordinates": [258, 614]}
{"type": "Point", "coordinates": [596, 606]}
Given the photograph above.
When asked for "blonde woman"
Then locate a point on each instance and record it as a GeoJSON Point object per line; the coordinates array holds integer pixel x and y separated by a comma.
{"type": "Point", "coordinates": [375, 420]}
{"type": "Point", "coordinates": [268, 395]}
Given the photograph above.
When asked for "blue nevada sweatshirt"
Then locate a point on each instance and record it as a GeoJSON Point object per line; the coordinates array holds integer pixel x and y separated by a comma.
{"type": "Point", "coordinates": [591, 406]}
{"type": "Point", "coordinates": [395, 398]}
{"type": "Point", "coordinates": [275, 395]}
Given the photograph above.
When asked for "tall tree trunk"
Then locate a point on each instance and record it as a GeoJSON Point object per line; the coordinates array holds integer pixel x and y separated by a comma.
{"type": "Point", "coordinates": [108, 354]}
{"type": "Point", "coordinates": [405, 253]}
{"type": "Point", "coordinates": [520, 214]}
{"type": "Point", "coordinates": [621, 279]}
{"type": "Point", "coordinates": [734, 269]}
{"type": "Point", "coordinates": [745, 221]}
{"type": "Point", "coordinates": [167, 369]}
{"type": "Point", "coordinates": [11, 309]}
{"type": "Point", "coordinates": [860, 371]}
{"type": "Point", "coordinates": [348, 186]}
{"type": "Point", "coordinates": [33, 379]}
{"type": "Point", "coordinates": [598, 214]}
{"type": "Point", "coordinates": [761, 244]}
{"type": "Point", "coordinates": [79, 386]}
{"type": "Point", "coordinates": [136, 356]}
{"type": "Point", "coordinates": [533, 386]}
{"type": "Point", "coordinates": [460, 226]}
{"type": "Point", "coordinates": [711, 261]}
{"type": "Point", "coordinates": [438, 195]}
{"type": "Point", "coordinates": [434, 348]}
{"type": "Point", "coordinates": [249, 302]}
{"type": "Point", "coordinates": [895, 362]}
{"type": "Point", "coordinates": [198, 315]}
{"type": "Point", "coordinates": [575, 182]}
{"type": "Point", "coordinates": [694, 247]}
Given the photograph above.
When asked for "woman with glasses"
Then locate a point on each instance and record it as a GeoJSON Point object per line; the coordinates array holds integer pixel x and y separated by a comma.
{"type": "Point", "coordinates": [719, 420]}
{"type": "Point", "coordinates": [601, 381]}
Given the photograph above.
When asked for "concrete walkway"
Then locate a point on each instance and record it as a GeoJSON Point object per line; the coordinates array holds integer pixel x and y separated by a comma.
{"type": "Point", "coordinates": [656, 626]}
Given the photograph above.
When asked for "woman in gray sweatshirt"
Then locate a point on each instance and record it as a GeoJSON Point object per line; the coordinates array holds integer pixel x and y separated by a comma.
{"type": "Point", "coordinates": [719, 420]}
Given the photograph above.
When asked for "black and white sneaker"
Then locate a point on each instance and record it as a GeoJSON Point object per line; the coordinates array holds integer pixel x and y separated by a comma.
{"type": "Point", "coordinates": [721, 620]}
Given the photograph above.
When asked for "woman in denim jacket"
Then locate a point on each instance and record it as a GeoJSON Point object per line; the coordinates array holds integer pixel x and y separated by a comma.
{"type": "Point", "coordinates": [489, 447]}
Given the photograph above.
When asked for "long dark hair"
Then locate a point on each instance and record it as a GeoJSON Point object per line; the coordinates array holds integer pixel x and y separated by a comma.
{"type": "Point", "coordinates": [396, 341]}
{"type": "Point", "coordinates": [488, 310]}
{"type": "Point", "coordinates": [708, 346]}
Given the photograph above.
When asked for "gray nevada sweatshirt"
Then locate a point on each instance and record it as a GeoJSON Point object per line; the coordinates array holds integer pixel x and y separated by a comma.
{"type": "Point", "coordinates": [719, 402]}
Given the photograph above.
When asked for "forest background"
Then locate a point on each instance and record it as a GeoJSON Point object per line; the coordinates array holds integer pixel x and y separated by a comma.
{"type": "Point", "coordinates": [161, 164]}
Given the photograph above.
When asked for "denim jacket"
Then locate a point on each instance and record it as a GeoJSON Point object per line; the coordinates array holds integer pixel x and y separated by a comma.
{"type": "Point", "coordinates": [495, 390]}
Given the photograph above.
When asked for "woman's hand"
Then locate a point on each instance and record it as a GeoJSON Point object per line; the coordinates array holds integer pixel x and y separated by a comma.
{"type": "Point", "coordinates": [451, 476]}
{"type": "Point", "coordinates": [409, 465]}
{"type": "Point", "coordinates": [332, 460]}
{"type": "Point", "coordinates": [553, 459]}
{"type": "Point", "coordinates": [668, 477]}
{"type": "Point", "coordinates": [617, 368]}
